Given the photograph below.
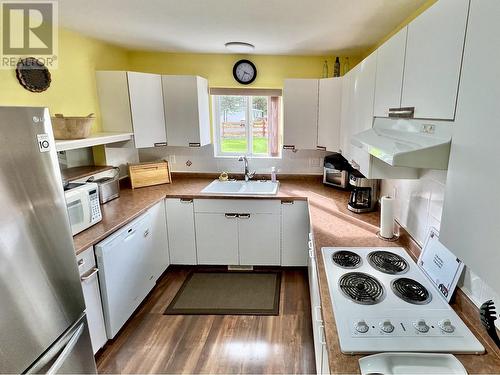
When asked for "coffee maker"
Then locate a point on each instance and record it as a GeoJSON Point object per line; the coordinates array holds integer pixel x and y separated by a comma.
{"type": "Point", "coordinates": [364, 194]}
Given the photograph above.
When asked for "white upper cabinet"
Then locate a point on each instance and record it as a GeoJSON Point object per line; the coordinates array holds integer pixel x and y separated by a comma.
{"type": "Point", "coordinates": [300, 106]}
{"type": "Point", "coordinates": [186, 110]}
{"type": "Point", "coordinates": [362, 92]}
{"type": "Point", "coordinates": [434, 58]}
{"type": "Point", "coordinates": [132, 102]}
{"type": "Point", "coordinates": [389, 77]}
{"type": "Point", "coordinates": [345, 114]}
{"type": "Point", "coordinates": [469, 225]}
{"type": "Point", "coordinates": [146, 105]}
{"type": "Point", "coordinates": [329, 109]}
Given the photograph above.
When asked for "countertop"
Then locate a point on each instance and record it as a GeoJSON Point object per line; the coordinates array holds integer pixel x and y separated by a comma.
{"type": "Point", "coordinates": [333, 225]}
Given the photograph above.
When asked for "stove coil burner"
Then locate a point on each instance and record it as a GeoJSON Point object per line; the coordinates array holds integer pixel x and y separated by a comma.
{"type": "Point", "coordinates": [411, 291]}
{"type": "Point", "coordinates": [346, 259]}
{"type": "Point", "coordinates": [361, 288]}
{"type": "Point", "coordinates": [387, 262]}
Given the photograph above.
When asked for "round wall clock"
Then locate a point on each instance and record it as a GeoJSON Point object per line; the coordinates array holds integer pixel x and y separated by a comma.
{"type": "Point", "coordinates": [245, 72]}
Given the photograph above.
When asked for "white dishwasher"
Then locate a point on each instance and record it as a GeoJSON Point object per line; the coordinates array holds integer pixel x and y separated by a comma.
{"type": "Point", "coordinates": [123, 260]}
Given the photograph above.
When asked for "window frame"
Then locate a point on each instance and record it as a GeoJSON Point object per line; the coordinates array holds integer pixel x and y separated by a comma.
{"type": "Point", "coordinates": [248, 131]}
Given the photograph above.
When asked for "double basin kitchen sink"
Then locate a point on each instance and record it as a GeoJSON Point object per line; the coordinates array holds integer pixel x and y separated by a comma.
{"type": "Point", "coordinates": [239, 187]}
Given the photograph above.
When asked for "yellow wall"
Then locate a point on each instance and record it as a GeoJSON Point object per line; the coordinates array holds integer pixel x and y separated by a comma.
{"type": "Point", "coordinates": [73, 88]}
{"type": "Point", "coordinates": [218, 68]}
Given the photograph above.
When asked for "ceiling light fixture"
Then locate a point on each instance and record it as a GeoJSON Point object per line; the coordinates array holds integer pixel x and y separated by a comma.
{"type": "Point", "coordinates": [239, 47]}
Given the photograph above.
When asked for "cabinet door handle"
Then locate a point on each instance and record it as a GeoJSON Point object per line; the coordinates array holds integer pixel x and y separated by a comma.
{"type": "Point", "coordinates": [81, 262]}
{"type": "Point", "coordinates": [404, 112]}
{"type": "Point", "coordinates": [89, 274]}
{"type": "Point", "coordinates": [231, 216]}
{"type": "Point", "coordinates": [288, 147]}
{"type": "Point", "coordinates": [244, 216]}
{"type": "Point", "coordinates": [322, 148]}
{"type": "Point", "coordinates": [159, 144]}
{"type": "Point", "coordinates": [194, 144]}
{"type": "Point", "coordinates": [354, 164]}
{"type": "Point", "coordinates": [287, 202]}
{"type": "Point", "coordinates": [310, 244]}
{"type": "Point", "coordinates": [311, 253]}
{"type": "Point", "coordinates": [186, 200]}
{"type": "Point", "coordinates": [146, 233]}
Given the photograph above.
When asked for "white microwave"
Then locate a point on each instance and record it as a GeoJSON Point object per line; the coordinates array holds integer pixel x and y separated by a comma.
{"type": "Point", "coordinates": [83, 206]}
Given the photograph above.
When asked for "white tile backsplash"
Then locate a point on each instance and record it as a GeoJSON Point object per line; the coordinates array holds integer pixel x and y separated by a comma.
{"type": "Point", "coordinates": [419, 206]}
{"type": "Point", "coordinates": [202, 160]}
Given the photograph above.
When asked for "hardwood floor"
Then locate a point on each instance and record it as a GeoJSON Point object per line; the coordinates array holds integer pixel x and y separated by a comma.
{"type": "Point", "coordinates": [155, 343]}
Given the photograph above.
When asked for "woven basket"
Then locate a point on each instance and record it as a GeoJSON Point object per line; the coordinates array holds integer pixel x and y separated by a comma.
{"type": "Point", "coordinates": [72, 127]}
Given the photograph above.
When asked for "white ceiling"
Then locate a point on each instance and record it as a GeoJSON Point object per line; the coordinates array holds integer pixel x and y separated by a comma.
{"type": "Point", "coordinates": [292, 27]}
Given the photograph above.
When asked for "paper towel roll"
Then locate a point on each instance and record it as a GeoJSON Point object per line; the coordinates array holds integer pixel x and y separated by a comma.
{"type": "Point", "coordinates": [387, 217]}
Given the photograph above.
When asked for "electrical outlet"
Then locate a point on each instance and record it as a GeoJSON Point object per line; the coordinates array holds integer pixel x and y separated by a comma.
{"type": "Point", "coordinates": [171, 159]}
{"type": "Point", "coordinates": [428, 128]}
{"type": "Point", "coordinates": [315, 162]}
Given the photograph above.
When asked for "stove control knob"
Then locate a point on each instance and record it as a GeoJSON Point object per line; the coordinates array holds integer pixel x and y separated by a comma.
{"type": "Point", "coordinates": [386, 326]}
{"type": "Point", "coordinates": [446, 326]}
{"type": "Point", "coordinates": [421, 326]}
{"type": "Point", "coordinates": [361, 326]}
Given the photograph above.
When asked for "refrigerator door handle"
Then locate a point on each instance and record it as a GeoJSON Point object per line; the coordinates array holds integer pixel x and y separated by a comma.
{"type": "Point", "coordinates": [66, 351]}
{"type": "Point", "coordinates": [67, 344]}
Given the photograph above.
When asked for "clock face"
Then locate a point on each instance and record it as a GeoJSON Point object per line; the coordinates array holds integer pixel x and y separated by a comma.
{"type": "Point", "coordinates": [244, 72]}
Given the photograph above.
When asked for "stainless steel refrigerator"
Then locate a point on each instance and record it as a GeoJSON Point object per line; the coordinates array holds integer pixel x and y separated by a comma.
{"type": "Point", "coordinates": [43, 328]}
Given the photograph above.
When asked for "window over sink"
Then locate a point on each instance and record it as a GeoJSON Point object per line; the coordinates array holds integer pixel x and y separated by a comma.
{"type": "Point", "coordinates": [247, 122]}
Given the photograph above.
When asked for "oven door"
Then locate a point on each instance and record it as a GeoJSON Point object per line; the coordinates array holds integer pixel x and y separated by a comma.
{"type": "Point", "coordinates": [334, 177]}
{"type": "Point", "coordinates": [78, 206]}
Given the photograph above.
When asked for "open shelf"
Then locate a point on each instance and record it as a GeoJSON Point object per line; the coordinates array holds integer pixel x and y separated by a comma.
{"type": "Point", "coordinates": [94, 140]}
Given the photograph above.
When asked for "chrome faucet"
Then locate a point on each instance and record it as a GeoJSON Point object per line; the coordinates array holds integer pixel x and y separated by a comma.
{"type": "Point", "coordinates": [248, 175]}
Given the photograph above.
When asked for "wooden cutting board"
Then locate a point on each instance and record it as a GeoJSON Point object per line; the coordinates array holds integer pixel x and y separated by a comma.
{"type": "Point", "coordinates": [149, 174]}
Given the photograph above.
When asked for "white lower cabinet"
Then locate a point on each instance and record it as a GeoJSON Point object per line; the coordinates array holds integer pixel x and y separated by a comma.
{"type": "Point", "coordinates": [159, 259]}
{"type": "Point", "coordinates": [217, 236]}
{"type": "Point", "coordinates": [320, 348]}
{"type": "Point", "coordinates": [181, 233]}
{"type": "Point", "coordinates": [259, 239]}
{"type": "Point", "coordinates": [294, 231]}
{"type": "Point", "coordinates": [238, 232]}
{"type": "Point", "coordinates": [92, 296]}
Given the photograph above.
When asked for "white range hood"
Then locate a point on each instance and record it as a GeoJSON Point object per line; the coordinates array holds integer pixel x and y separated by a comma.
{"type": "Point", "coordinates": [407, 142]}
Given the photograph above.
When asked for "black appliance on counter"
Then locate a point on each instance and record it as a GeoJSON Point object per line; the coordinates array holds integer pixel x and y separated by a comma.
{"type": "Point", "coordinates": [364, 194]}
{"type": "Point", "coordinates": [336, 171]}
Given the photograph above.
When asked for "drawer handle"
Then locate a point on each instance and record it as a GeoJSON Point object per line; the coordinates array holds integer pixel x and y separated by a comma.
{"type": "Point", "coordinates": [89, 274]}
{"type": "Point", "coordinates": [311, 253]}
{"type": "Point", "coordinates": [317, 314]}
{"type": "Point", "coordinates": [244, 216]}
{"type": "Point", "coordinates": [287, 202]}
{"type": "Point", "coordinates": [186, 200]}
{"type": "Point", "coordinates": [159, 144]}
{"type": "Point", "coordinates": [146, 233]}
{"type": "Point", "coordinates": [288, 147]}
{"type": "Point", "coordinates": [310, 244]}
{"type": "Point", "coordinates": [81, 262]}
{"type": "Point", "coordinates": [321, 329]}
{"type": "Point", "coordinates": [231, 216]}
{"type": "Point", "coordinates": [194, 144]}
{"type": "Point", "coordinates": [322, 148]}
